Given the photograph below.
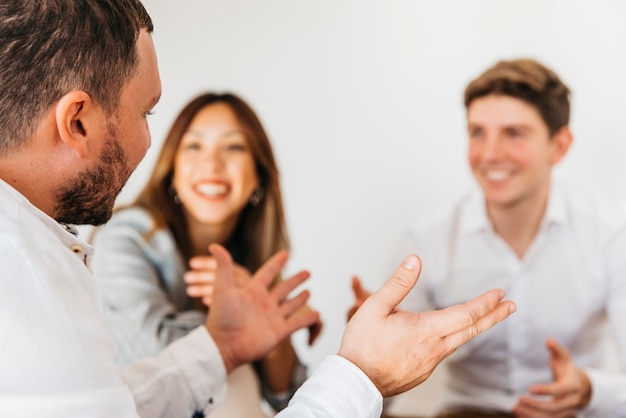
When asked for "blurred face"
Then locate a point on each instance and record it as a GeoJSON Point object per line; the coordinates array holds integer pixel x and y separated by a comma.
{"type": "Point", "coordinates": [214, 169]}
{"type": "Point", "coordinates": [89, 198]}
{"type": "Point", "coordinates": [511, 153]}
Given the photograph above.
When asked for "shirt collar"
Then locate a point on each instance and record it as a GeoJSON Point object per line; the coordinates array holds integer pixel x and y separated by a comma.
{"type": "Point", "coordinates": [474, 216]}
{"type": "Point", "coordinates": [16, 205]}
{"type": "Point", "coordinates": [556, 212]}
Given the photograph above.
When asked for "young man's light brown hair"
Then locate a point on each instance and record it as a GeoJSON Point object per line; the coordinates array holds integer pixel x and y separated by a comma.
{"type": "Point", "coordinates": [527, 80]}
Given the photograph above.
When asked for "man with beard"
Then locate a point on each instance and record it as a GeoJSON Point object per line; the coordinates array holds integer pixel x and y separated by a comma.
{"type": "Point", "coordinates": [77, 81]}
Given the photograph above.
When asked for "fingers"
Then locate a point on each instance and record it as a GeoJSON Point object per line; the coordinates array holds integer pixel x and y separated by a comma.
{"type": "Point", "coordinates": [314, 331]}
{"type": "Point", "coordinates": [242, 275]}
{"type": "Point", "coordinates": [290, 306]}
{"type": "Point", "coordinates": [571, 386]}
{"type": "Point", "coordinates": [560, 360]}
{"type": "Point", "coordinates": [285, 287]}
{"type": "Point", "coordinates": [357, 288]}
{"type": "Point", "coordinates": [548, 389]}
{"type": "Point", "coordinates": [557, 351]}
{"type": "Point", "coordinates": [195, 277]}
{"type": "Point", "coordinates": [399, 285]}
{"type": "Point", "coordinates": [200, 291]}
{"type": "Point", "coordinates": [202, 270]}
{"type": "Point", "coordinates": [463, 322]}
{"type": "Point", "coordinates": [224, 268]}
{"type": "Point", "coordinates": [552, 408]}
{"type": "Point", "coordinates": [203, 262]}
{"type": "Point", "coordinates": [271, 268]}
{"type": "Point", "coordinates": [360, 293]}
{"type": "Point", "coordinates": [360, 296]}
{"type": "Point", "coordinates": [309, 318]}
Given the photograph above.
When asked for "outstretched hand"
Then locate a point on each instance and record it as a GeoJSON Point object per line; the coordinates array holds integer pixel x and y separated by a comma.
{"type": "Point", "coordinates": [570, 390]}
{"type": "Point", "coordinates": [398, 350]}
{"type": "Point", "coordinates": [246, 322]}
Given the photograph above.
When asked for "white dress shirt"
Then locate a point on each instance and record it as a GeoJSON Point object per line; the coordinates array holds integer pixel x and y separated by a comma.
{"type": "Point", "coordinates": [56, 352]}
{"type": "Point", "coordinates": [57, 356]}
{"type": "Point", "coordinates": [570, 285]}
{"type": "Point", "coordinates": [337, 389]}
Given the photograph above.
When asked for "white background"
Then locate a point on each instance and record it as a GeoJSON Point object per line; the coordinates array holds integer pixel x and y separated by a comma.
{"type": "Point", "coordinates": [363, 104]}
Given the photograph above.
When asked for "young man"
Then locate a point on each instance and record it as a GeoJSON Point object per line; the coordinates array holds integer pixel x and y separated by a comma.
{"type": "Point", "coordinates": [557, 251]}
{"type": "Point", "coordinates": [77, 80]}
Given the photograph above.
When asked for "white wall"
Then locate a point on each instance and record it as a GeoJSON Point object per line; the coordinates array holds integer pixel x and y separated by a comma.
{"type": "Point", "coordinates": [362, 101]}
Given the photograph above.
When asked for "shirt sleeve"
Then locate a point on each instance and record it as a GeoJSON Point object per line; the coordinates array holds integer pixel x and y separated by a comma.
{"type": "Point", "coordinates": [189, 375]}
{"type": "Point", "coordinates": [278, 401]}
{"type": "Point", "coordinates": [56, 354]}
{"type": "Point", "coordinates": [608, 397]}
{"type": "Point", "coordinates": [131, 275]}
{"type": "Point", "coordinates": [338, 388]}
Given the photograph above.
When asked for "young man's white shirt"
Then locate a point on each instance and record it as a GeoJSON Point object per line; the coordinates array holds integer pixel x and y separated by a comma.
{"type": "Point", "coordinates": [570, 286]}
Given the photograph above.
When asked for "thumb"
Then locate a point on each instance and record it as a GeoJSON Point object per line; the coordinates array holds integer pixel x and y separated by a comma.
{"type": "Point", "coordinates": [360, 294]}
{"type": "Point", "coordinates": [224, 270]}
{"type": "Point", "coordinates": [559, 358]}
{"type": "Point", "coordinates": [398, 286]}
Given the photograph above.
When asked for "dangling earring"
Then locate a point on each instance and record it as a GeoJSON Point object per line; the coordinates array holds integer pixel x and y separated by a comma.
{"type": "Point", "coordinates": [257, 196]}
{"type": "Point", "coordinates": [172, 192]}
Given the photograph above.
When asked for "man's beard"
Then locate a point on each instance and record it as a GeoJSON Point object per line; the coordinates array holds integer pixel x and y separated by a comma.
{"type": "Point", "coordinates": [90, 197]}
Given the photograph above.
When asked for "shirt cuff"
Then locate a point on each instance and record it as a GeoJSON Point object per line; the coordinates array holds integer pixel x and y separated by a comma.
{"type": "Point", "coordinates": [342, 389]}
{"type": "Point", "coordinates": [608, 394]}
{"type": "Point", "coordinates": [203, 367]}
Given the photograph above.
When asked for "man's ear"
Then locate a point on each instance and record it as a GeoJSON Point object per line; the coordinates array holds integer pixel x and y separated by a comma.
{"type": "Point", "coordinates": [561, 141]}
{"type": "Point", "coordinates": [80, 122]}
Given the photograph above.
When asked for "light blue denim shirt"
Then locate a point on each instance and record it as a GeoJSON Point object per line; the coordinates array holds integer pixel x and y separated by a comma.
{"type": "Point", "coordinates": [141, 285]}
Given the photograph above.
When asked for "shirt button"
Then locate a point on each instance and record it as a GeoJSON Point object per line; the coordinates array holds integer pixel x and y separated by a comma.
{"type": "Point", "coordinates": [77, 249]}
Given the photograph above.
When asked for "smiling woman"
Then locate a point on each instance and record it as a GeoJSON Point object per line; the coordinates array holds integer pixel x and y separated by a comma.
{"type": "Point", "coordinates": [215, 174]}
{"type": "Point", "coordinates": [215, 181]}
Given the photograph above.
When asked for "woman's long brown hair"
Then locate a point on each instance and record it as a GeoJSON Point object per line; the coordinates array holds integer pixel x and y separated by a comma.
{"type": "Point", "coordinates": [261, 229]}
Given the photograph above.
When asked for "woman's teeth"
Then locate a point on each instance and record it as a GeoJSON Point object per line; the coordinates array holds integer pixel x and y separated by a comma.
{"type": "Point", "coordinates": [212, 189]}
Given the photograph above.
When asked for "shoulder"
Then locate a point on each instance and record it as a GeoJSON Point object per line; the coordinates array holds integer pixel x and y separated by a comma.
{"type": "Point", "coordinates": [442, 225]}
{"type": "Point", "coordinates": [592, 210]}
{"type": "Point", "coordinates": [592, 220]}
{"type": "Point", "coordinates": [434, 238]}
{"type": "Point", "coordinates": [128, 242]}
{"type": "Point", "coordinates": [133, 217]}
{"type": "Point", "coordinates": [134, 225]}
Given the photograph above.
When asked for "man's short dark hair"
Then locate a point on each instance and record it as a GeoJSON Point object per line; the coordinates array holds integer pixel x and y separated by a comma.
{"type": "Point", "coordinates": [51, 47]}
